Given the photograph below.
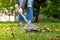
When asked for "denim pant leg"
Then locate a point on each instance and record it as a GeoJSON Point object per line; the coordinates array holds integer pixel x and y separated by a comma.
{"type": "Point", "coordinates": [20, 18]}
{"type": "Point", "coordinates": [29, 15]}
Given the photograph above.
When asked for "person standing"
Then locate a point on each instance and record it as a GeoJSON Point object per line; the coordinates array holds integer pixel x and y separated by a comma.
{"type": "Point", "coordinates": [29, 15]}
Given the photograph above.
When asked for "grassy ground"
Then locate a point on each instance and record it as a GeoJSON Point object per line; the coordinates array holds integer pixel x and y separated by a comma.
{"type": "Point", "coordinates": [10, 31]}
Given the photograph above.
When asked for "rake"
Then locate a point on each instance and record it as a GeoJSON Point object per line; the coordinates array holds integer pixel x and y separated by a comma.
{"type": "Point", "coordinates": [29, 26]}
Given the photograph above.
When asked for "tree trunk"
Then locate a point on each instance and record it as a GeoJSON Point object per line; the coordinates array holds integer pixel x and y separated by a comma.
{"type": "Point", "coordinates": [36, 10]}
{"type": "Point", "coordinates": [36, 7]}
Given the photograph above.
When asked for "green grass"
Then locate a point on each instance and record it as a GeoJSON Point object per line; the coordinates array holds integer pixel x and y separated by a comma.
{"type": "Point", "coordinates": [15, 33]}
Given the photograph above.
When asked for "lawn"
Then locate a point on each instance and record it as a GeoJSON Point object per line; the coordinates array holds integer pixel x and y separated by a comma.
{"type": "Point", "coordinates": [10, 31]}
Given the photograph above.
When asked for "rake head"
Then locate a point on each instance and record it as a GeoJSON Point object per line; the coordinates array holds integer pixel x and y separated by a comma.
{"type": "Point", "coordinates": [30, 26]}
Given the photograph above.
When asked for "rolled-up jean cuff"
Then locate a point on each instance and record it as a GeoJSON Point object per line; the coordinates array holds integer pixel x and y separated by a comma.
{"type": "Point", "coordinates": [20, 18]}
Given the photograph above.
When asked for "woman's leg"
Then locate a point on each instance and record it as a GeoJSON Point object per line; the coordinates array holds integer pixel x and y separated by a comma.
{"type": "Point", "coordinates": [20, 18]}
{"type": "Point", "coordinates": [29, 15]}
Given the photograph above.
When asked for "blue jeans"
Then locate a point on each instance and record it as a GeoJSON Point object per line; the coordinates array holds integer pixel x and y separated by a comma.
{"type": "Point", "coordinates": [29, 15]}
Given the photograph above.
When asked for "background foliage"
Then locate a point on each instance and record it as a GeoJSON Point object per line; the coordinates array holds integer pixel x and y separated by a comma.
{"type": "Point", "coordinates": [49, 9]}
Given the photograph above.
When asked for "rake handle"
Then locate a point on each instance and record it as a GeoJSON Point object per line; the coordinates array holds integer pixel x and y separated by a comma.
{"type": "Point", "coordinates": [24, 17]}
